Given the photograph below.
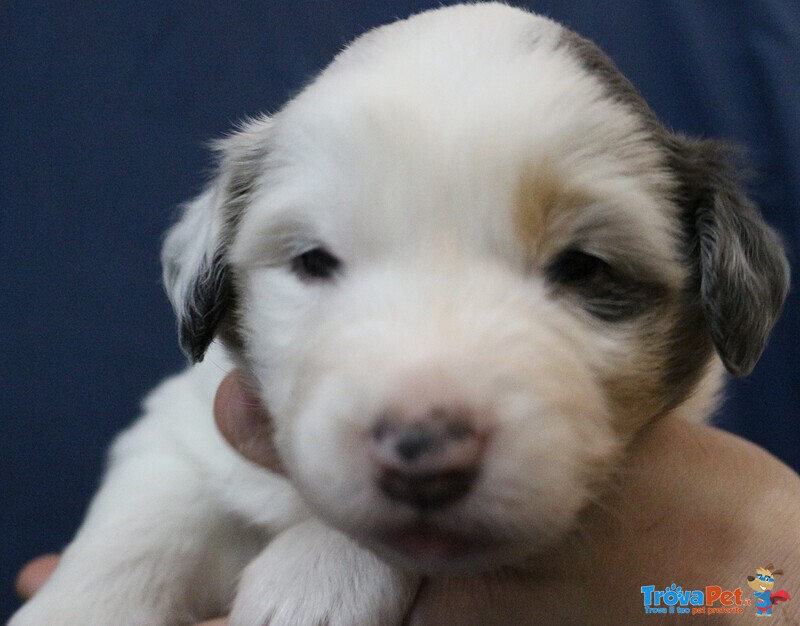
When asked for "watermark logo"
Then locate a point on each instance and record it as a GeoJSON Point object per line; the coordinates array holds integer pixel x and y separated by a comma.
{"type": "Point", "coordinates": [715, 600]}
{"type": "Point", "coordinates": [710, 600]}
{"type": "Point", "coordinates": [763, 584]}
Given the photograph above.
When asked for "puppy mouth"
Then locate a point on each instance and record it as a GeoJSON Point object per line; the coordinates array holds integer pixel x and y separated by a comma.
{"type": "Point", "coordinates": [431, 547]}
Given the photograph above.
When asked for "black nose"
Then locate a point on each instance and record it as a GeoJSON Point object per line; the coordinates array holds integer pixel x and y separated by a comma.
{"type": "Point", "coordinates": [429, 463]}
{"type": "Point", "coordinates": [413, 442]}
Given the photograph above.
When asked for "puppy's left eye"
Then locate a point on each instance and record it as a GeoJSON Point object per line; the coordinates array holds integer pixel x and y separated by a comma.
{"type": "Point", "coordinates": [315, 264]}
{"type": "Point", "coordinates": [573, 267]}
{"type": "Point", "coordinates": [603, 290]}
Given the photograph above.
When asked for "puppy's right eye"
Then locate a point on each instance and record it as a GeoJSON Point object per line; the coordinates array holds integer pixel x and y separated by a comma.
{"type": "Point", "coordinates": [315, 264]}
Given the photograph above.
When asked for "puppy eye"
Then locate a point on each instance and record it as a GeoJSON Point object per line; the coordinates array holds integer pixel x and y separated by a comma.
{"type": "Point", "coordinates": [575, 266]}
{"type": "Point", "coordinates": [603, 290]}
{"type": "Point", "coordinates": [315, 264]}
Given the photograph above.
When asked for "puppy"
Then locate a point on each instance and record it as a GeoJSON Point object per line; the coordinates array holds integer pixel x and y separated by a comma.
{"type": "Point", "coordinates": [463, 267]}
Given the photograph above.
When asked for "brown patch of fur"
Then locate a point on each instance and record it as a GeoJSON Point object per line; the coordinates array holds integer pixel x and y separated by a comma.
{"type": "Point", "coordinates": [672, 347]}
{"type": "Point", "coordinates": [672, 352]}
{"type": "Point", "coordinates": [543, 199]}
{"type": "Point", "coordinates": [636, 392]}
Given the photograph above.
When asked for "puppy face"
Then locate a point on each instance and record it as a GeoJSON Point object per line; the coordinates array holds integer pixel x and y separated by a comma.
{"type": "Point", "coordinates": [465, 266]}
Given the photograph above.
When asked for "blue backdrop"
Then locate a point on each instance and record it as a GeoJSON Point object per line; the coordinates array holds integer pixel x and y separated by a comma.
{"type": "Point", "coordinates": [106, 106]}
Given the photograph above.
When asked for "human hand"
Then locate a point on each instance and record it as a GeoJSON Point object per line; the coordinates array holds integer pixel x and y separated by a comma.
{"type": "Point", "coordinates": [244, 422]}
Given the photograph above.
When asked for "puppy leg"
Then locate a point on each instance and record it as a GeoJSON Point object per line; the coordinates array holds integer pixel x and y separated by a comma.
{"type": "Point", "coordinates": [154, 550]}
{"type": "Point", "coordinates": [312, 575]}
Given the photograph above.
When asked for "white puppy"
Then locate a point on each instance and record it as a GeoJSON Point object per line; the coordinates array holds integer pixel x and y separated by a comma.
{"type": "Point", "coordinates": [464, 267]}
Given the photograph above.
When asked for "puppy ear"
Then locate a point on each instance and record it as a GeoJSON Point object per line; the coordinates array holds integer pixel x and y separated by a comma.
{"type": "Point", "coordinates": [195, 272]}
{"type": "Point", "coordinates": [741, 271]}
{"type": "Point", "coordinates": [194, 256]}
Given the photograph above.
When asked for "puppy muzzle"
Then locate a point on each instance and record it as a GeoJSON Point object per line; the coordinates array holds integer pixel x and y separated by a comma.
{"type": "Point", "coordinates": [428, 462]}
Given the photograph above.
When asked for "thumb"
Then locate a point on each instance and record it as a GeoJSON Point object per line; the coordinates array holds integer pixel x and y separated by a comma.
{"type": "Point", "coordinates": [35, 574]}
{"type": "Point", "coordinates": [245, 423]}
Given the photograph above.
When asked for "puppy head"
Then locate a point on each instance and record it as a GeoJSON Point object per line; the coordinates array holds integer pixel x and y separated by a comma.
{"type": "Point", "coordinates": [466, 265]}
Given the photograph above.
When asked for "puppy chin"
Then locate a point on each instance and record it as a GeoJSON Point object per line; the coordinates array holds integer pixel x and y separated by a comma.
{"type": "Point", "coordinates": [462, 539]}
{"type": "Point", "coordinates": [430, 549]}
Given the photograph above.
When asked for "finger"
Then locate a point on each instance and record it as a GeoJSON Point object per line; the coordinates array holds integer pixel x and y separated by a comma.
{"type": "Point", "coordinates": [245, 423]}
{"type": "Point", "coordinates": [35, 574]}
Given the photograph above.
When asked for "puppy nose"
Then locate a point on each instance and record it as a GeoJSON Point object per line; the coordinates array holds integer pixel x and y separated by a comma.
{"type": "Point", "coordinates": [426, 463]}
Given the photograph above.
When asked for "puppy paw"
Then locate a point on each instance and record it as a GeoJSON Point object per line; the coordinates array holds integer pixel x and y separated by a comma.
{"type": "Point", "coordinates": [311, 575]}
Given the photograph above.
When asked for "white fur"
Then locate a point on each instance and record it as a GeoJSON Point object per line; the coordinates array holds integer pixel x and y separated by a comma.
{"type": "Point", "coordinates": [404, 158]}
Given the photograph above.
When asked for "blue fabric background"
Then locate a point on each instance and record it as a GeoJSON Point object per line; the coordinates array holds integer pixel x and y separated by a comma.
{"type": "Point", "coordinates": [106, 106]}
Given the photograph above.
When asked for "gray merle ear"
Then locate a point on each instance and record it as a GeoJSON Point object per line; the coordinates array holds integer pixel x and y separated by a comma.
{"type": "Point", "coordinates": [196, 274]}
{"type": "Point", "coordinates": [194, 256]}
{"type": "Point", "coordinates": [741, 271]}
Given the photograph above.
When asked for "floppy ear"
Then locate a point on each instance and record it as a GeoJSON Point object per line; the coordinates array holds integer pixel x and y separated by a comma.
{"type": "Point", "coordinates": [194, 256]}
{"type": "Point", "coordinates": [195, 272]}
{"type": "Point", "coordinates": [741, 271]}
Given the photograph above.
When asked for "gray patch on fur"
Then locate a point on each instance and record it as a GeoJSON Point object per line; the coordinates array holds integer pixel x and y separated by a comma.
{"type": "Point", "coordinates": [739, 268]}
{"type": "Point", "coordinates": [617, 86]}
{"type": "Point", "coordinates": [209, 300]}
